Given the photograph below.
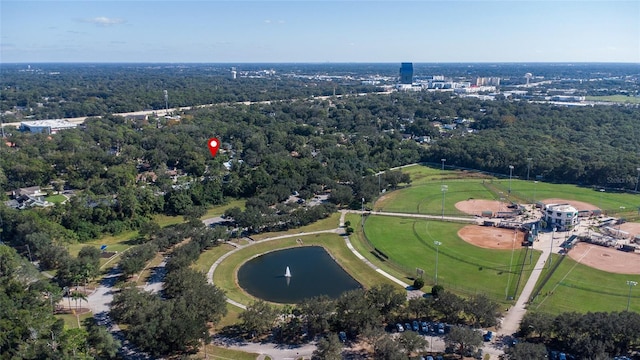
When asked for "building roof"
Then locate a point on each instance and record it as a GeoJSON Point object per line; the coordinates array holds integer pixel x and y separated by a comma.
{"type": "Point", "coordinates": [55, 124]}
{"type": "Point", "coordinates": [562, 208]}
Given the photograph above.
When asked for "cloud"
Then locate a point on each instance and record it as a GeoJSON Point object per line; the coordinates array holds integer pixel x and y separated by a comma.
{"type": "Point", "coordinates": [104, 21]}
{"type": "Point", "coordinates": [269, 21]}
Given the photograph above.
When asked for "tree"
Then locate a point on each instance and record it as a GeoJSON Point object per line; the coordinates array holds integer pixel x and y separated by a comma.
{"type": "Point", "coordinates": [436, 290]}
{"type": "Point", "coordinates": [316, 312]}
{"type": "Point", "coordinates": [526, 351]}
{"type": "Point", "coordinates": [386, 299]}
{"type": "Point", "coordinates": [412, 341]}
{"type": "Point", "coordinates": [328, 348]}
{"type": "Point", "coordinates": [102, 343]}
{"type": "Point", "coordinates": [463, 339]}
{"type": "Point", "coordinates": [258, 318]}
{"type": "Point", "coordinates": [388, 349]}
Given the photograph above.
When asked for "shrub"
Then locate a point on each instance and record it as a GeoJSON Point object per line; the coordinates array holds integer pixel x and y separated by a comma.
{"type": "Point", "coordinates": [418, 283]}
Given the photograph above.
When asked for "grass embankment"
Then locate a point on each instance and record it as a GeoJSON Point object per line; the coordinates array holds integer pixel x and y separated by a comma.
{"type": "Point", "coordinates": [329, 223]}
{"type": "Point", "coordinates": [225, 274]}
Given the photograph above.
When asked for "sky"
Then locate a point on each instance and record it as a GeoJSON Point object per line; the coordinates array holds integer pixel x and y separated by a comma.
{"type": "Point", "coordinates": [294, 31]}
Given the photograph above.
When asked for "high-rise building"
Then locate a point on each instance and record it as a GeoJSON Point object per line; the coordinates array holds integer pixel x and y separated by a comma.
{"type": "Point", "coordinates": [406, 73]}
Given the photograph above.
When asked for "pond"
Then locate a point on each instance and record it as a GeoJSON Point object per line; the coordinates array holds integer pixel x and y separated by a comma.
{"type": "Point", "coordinates": [313, 273]}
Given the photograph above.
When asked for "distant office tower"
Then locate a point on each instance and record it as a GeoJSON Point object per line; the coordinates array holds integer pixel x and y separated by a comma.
{"type": "Point", "coordinates": [406, 73]}
{"type": "Point", "coordinates": [233, 73]}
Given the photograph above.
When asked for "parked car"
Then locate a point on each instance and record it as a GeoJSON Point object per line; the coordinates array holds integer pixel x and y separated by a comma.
{"type": "Point", "coordinates": [399, 327]}
{"type": "Point", "coordinates": [424, 327]}
{"type": "Point", "coordinates": [415, 326]}
{"type": "Point", "coordinates": [440, 328]}
{"type": "Point", "coordinates": [407, 326]}
{"type": "Point", "coordinates": [488, 336]}
{"type": "Point", "coordinates": [343, 336]}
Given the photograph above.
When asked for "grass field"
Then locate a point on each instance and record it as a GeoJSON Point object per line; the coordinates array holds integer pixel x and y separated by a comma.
{"type": "Point", "coordinates": [56, 199]}
{"type": "Point", "coordinates": [71, 321]}
{"type": "Point", "coordinates": [225, 275]}
{"type": "Point", "coordinates": [607, 200]}
{"type": "Point", "coordinates": [427, 198]}
{"type": "Point", "coordinates": [461, 266]}
{"type": "Point", "coordinates": [623, 99]}
{"type": "Point", "coordinates": [587, 288]}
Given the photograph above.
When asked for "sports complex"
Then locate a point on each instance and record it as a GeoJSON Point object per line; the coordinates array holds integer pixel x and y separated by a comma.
{"type": "Point", "coordinates": [480, 234]}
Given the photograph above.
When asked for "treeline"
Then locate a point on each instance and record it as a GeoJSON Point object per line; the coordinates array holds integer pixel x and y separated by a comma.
{"type": "Point", "coordinates": [586, 336]}
{"type": "Point", "coordinates": [53, 91]}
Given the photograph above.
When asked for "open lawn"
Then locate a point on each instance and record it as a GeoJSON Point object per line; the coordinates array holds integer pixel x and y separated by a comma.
{"type": "Point", "coordinates": [220, 353]}
{"type": "Point", "coordinates": [71, 321]}
{"type": "Point", "coordinates": [225, 275]}
{"type": "Point", "coordinates": [56, 199]}
{"type": "Point", "coordinates": [577, 287]}
{"type": "Point", "coordinates": [461, 266]}
{"type": "Point", "coordinates": [207, 258]}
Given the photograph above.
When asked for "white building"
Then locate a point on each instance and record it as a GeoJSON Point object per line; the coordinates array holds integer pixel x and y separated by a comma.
{"type": "Point", "coordinates": [46, 126]}
{"type": "Point", "coordinates": [561, 216]}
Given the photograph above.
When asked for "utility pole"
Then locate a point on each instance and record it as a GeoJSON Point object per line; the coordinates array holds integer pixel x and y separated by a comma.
{"type": "Point", "coordinates": [528, 167]}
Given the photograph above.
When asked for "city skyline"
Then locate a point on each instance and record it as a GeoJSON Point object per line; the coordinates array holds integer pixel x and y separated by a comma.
{"type": "Point", "coordinates": [318, 32]}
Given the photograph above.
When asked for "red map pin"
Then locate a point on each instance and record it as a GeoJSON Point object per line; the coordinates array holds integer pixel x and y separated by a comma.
{"type": "Point", "coordinates": [214, 145]}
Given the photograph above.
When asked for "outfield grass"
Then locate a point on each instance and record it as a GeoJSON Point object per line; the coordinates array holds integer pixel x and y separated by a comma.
{"type": "Point", "coordinates": [577, 287]}
{"type": "Point", "coordinates": [461, 267]}
{"type": "Point", "coordinates": [607, 200]}
{"type": "Point", "coordinates": [427, 198]}
{"type": "Point", "coordinates": [225, 275]}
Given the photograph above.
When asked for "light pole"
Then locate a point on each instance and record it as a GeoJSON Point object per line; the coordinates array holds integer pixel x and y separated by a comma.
{"type": "Point", "coordinates": [528, 167]}
{"type": "Point", "coordinates": [631, 284]}
{"type": "Point", "coordinates": [513, 241]}
{"type": "Point", "coordinates": [442, 160]}
{"type": "Point", "coordinates": [638, 179]}
{"type": "Point", "coordinates": [362, 215]}
{"type": "Point", "coordinates": [601, 209]}
{"type": "Point", "coordinates": [510, 174]}
{"type": "Point", "coordinates": [437, 244]}
{"type": "Point", "coordinates": [534, 191]}
{"type": "Point", "coordinates": [553, 236]}
{"type": "Point", "coordinates": [444, 189]}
